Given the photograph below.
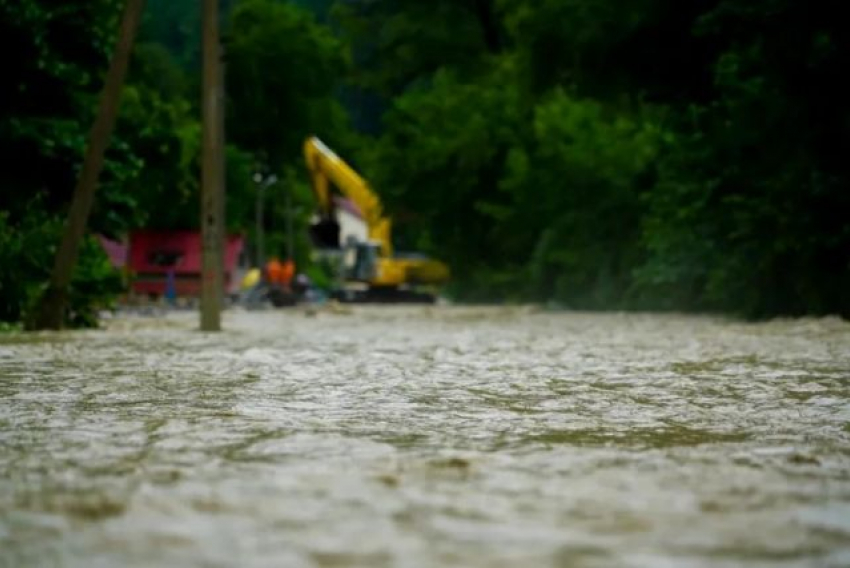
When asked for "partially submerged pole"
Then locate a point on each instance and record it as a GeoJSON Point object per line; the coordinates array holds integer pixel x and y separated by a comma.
{"type": "Point", "coordinates": [212, 174]}
{"type": "Point", "coordinates": [51, 310]}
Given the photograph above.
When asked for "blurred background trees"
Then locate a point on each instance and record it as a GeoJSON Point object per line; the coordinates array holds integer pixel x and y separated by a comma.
{"type": "Point", "coordinates": [659, 154]}
{"type": "Point", "coordinates": [654, 155]}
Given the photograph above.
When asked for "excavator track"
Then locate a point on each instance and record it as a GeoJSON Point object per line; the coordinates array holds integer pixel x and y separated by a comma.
{"type": "Point", "coordinates": [383, 296]}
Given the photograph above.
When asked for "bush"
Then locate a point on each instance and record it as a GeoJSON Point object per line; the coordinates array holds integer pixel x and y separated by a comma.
{"type": "Point", "coordinates": [27, 250]}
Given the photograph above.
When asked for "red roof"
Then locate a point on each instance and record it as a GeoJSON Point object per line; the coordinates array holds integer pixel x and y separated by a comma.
{"type": "Point", "coordinates": [153, 254]}
{"type": "Point", "coordinates": [116, 251]}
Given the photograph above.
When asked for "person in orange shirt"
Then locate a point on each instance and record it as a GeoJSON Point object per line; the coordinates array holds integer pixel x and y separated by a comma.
{"type": "Point", "coordinates": [279, 277]}
{"type": "Point", "coordinates": [274, 272]}
{"type": "Point", "coordinates": [280, 274]}
{"type": "Point", "coordinates": [287, 273]}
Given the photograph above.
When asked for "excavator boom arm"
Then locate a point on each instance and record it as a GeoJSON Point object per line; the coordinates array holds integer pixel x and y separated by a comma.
{"type": "Point", "coordinates": [326, 168]}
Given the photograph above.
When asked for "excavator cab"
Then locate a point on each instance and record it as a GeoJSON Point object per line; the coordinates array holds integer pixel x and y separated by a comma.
{"type": "Point", "coordinates": [324, 233]}
{"type": "Point", "coordinates": [366, 259]}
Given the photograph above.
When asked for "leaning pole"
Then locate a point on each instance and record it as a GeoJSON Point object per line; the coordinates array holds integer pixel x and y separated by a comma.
{"type": "Point", "coordinates": [50, 313]}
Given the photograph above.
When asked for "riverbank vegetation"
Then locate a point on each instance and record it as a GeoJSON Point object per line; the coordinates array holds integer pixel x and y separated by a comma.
{"type": "Point", "coordinates": [654, 155]}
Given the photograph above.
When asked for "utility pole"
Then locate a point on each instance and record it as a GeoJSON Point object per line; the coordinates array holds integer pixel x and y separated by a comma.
{"type": "Point", "coordinates": [51, 311]}
{"type": "Point", "coordinates": [222, 161]}
{"type": "Point", "coordinates": [212, 173]}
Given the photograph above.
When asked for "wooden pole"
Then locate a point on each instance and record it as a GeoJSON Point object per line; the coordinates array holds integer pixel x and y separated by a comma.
{"type": "Point", "coordinates": [221, 161]}
{"type": "Point", "coordinates": [51, 310]}
{"type": "Point", "coordinates": [212, 183]}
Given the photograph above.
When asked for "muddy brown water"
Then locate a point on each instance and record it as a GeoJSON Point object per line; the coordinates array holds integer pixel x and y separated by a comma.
{"type": "Point", "coordinates": [427, 436]}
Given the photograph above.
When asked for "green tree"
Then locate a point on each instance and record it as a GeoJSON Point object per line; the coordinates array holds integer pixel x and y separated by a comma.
{"type": "Point", "coordinates": [760, 175]}
{"type": "Point", "coordinates": [281, 71]}
{"type": "Point", "coordinates": [46, 107]}
{"type": "Point", "coordinates": [576, 210]}
{"type": "Point", "coordinates": [401, 44]}
{"type": "Point", "coordinates": [161, 125]}
{"type": "Point", "coordinates": [48, 93]}
{"type": "Point", "coordinates": [438, 166]}
{"type": "Point", "coordinates": [666, 154]}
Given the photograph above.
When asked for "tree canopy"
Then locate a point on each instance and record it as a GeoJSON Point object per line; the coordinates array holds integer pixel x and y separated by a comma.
{"type": "Point", "coordinates": [655, 154]}
{"type": "Point", "coordinates": [662, 154]}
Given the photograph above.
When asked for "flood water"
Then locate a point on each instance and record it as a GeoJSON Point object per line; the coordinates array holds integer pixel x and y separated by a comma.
{"type": "Point", "coordinates": [427, 436]}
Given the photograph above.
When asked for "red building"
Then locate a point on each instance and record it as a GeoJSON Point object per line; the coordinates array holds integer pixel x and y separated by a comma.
{"type": "Point", "coordinates": [153, 254]}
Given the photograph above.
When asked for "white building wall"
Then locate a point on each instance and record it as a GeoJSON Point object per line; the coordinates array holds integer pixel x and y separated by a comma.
{"type": "Point", "coordinates": [351, 225]}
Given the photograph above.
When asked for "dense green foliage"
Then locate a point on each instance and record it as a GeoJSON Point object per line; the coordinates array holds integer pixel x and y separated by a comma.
{"type": "Point", "coordinates": [652, 154]}
{"type": "Point", "coordinates": [684, 155]}
{"type": "Point", "coordinates": [47, 102]}
{"type": "Point", "coordinates": [279, 59]}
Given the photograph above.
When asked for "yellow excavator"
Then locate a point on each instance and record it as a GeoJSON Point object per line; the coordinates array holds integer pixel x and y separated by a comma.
{"type": "Point", "coordinates": [373, 270]}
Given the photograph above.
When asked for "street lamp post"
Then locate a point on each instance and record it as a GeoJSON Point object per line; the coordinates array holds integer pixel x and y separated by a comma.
{"type": "Point", "coordinates": [262, 184]}
{"type": "Point", "coordinates": [290, 245]}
